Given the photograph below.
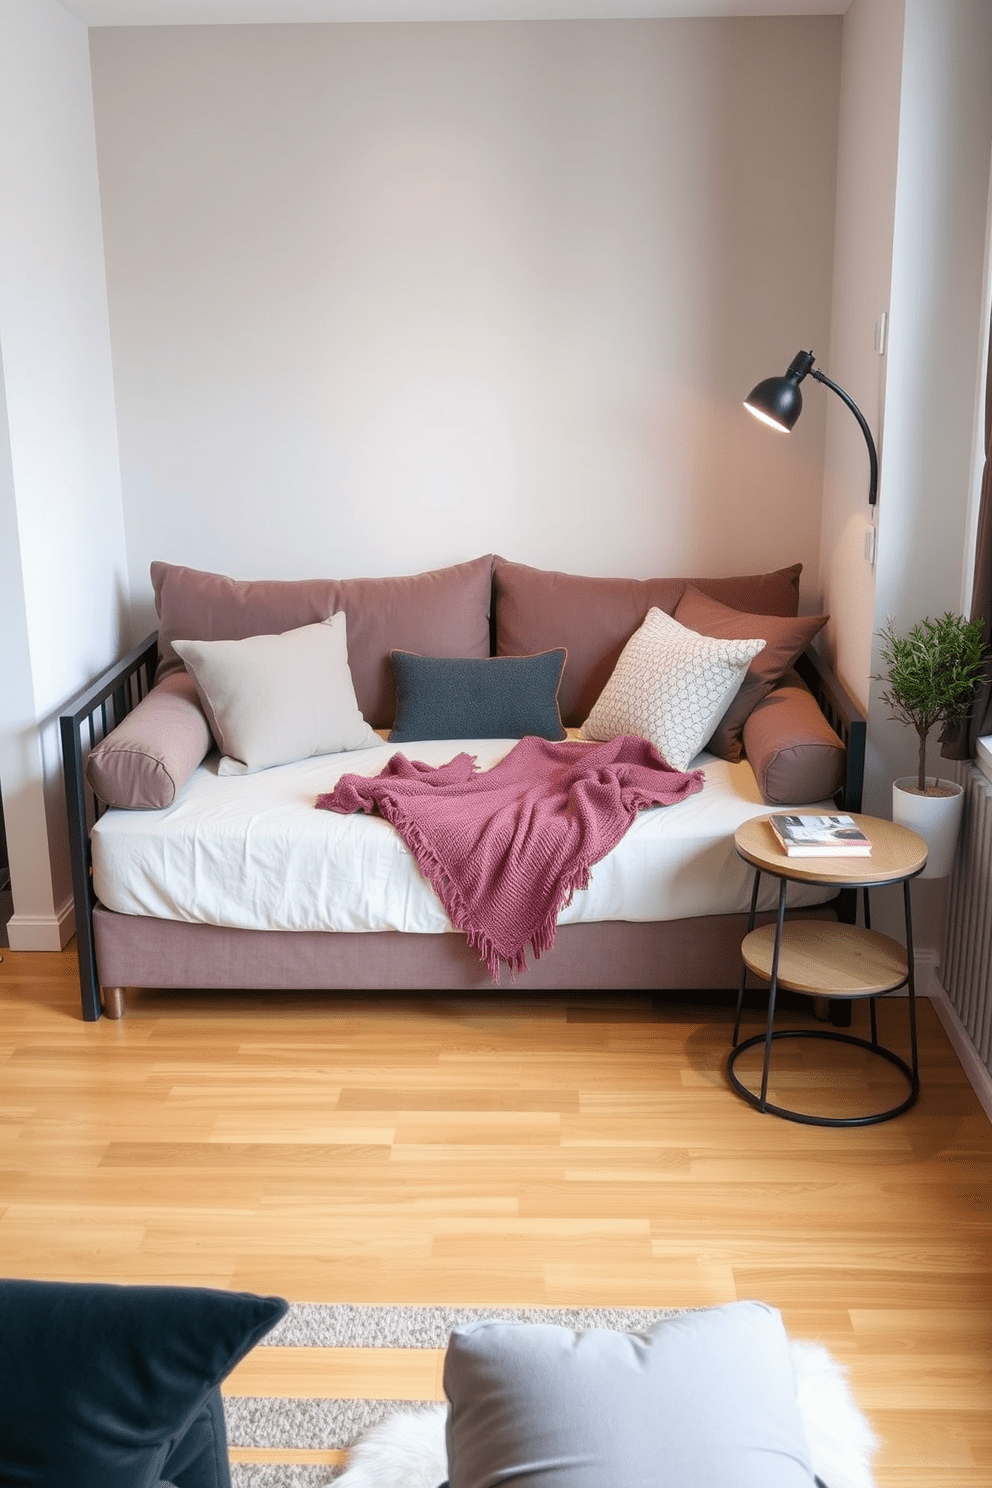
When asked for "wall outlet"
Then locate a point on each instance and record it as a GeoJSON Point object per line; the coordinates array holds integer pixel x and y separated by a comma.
{"type": "Point", "coordinates": [870, 534]}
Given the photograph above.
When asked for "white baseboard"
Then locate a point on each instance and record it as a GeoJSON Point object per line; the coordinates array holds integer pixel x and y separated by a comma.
{"type": "Point", "coordinates": [978, 1075]}
{"type": "Point", "coordinates": [42, 932]}
{"type": "Point", "coordinates": [925, 965]}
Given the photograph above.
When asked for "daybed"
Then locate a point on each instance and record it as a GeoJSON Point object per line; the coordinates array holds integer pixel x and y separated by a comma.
{"type": "Point", "coordinates": [197, 869]}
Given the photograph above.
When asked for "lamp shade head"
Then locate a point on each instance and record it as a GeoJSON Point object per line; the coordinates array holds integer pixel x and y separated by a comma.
{"type": "Point", "coordinates": [776, 401]}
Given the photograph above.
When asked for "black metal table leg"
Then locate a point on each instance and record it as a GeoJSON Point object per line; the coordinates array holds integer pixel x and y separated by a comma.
{"type": "Point", "coordinates": [743, 981]}
{"type": "Point", "coordinates": [911, 988]}
{"type": "Point", "coordinates": [772, 991]}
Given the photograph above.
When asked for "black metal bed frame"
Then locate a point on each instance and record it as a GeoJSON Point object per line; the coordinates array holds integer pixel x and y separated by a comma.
{"type": "Point", "coordinates": [121, 687]}
{"type": "Point", "coordinates": [94, 714]}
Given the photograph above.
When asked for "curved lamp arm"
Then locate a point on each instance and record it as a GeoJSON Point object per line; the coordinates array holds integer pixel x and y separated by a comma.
{"type": "Point", "coordinates": [869, 441]}
{"type": "Point", "coordinates": [778, 401]}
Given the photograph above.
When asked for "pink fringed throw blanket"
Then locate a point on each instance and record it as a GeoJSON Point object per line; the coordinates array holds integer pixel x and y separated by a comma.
{"type": "Point", "coordinates": [506, 848]}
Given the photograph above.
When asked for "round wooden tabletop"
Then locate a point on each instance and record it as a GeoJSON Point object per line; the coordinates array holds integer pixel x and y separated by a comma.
{"type": "Point", "coordinates": [896, 853]}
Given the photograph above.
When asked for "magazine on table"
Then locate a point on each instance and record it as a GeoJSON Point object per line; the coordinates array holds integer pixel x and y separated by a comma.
{"type": "Point", "coordinates": [803, 836]}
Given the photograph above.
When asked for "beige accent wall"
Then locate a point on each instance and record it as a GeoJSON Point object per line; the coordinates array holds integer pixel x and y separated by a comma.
{"type": "Point", "coordinates": [387, 297]}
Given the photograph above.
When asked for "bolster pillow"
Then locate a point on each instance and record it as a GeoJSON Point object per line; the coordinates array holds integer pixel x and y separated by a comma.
{"type": "Point", "coordinates": [795, 754]}
{"type": "Point", "coordinates": [147, 759]}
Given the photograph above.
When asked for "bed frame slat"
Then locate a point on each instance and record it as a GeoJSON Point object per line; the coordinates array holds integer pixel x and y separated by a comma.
{"type": "Point", "coordinates": [94, 715]}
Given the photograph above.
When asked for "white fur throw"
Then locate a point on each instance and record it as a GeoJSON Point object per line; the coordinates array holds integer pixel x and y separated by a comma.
{"type": "Point", "coordinates": [407, 1450]}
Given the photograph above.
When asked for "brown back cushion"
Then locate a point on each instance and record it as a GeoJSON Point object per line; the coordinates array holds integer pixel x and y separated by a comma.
{"type": "Point", "coordinates": [785, 638]}
{"type": "Point", "coordinates": [593, 618]}
{"type": "Point", "coordinates": [444, 612]}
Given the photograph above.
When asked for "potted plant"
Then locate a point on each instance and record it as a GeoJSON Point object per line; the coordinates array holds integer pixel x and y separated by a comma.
{"type": "Point", "coordinates": [931, 676]}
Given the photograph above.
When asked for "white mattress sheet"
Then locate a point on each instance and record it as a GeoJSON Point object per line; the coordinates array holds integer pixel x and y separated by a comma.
{"type": "Point", "coordinates": [252, 851]}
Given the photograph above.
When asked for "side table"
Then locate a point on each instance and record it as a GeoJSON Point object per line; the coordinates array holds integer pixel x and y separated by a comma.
{"type": "Point", "coordinates": [826, 958]}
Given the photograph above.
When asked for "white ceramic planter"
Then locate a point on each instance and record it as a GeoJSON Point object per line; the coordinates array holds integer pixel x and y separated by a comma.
{"type": "Point", "coordinates": [937, 819]}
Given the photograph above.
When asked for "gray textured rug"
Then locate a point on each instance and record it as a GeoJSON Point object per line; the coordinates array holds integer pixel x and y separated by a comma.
{"type": "Point", "coordinates": [329, 1424]}
{"type": "Point", "coordinates": [274, 1475]}
{"type": "Point", "coordinates": [348, 1325]}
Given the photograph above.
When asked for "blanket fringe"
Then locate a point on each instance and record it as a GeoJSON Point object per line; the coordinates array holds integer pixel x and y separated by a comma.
{"type": "Point", "coordinates": [458, 912]}
{"type": "Point", "coordinates": [446, 890]}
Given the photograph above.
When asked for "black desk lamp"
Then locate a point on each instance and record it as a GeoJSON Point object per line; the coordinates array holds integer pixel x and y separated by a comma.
{"type": "Point", "coordinates": [778, 401]}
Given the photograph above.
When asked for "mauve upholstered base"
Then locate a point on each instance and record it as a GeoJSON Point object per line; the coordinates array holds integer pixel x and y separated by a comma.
{"type": "Point", "coordinates": [136, 951]}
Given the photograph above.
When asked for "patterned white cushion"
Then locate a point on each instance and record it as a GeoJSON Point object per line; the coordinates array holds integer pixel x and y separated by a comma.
{"type": "Point", "coordinates": [670, 686]}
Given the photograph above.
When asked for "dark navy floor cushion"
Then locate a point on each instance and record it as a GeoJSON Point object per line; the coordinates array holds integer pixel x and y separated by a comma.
{"type": "Point", "coordinates": [116, 1386]}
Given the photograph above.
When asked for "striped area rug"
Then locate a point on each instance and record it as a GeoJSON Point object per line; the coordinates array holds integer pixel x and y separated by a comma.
{"type": "Point", "coordinates": [330, 1424]}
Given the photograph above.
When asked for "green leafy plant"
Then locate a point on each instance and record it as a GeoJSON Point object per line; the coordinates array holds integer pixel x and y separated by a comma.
{"type": "Point", "coordinates": [931, 675]}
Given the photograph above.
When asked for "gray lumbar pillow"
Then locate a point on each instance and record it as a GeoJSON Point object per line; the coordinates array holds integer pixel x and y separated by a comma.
{"type": "Point", "coordinates": [477, 697]}
{"type": "Point", "coordinates": [700, 1400]}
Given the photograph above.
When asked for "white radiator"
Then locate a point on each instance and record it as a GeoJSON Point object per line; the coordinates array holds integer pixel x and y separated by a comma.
{"type": "Point", "coordinates": [966, 955]}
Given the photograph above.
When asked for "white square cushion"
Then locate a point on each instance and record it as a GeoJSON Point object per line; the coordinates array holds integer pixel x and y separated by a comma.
{"type": "Point", "coordinates": [272, 699]}
{"type": "Point", "coordinates": [700, 1400]}
{"type": "Point", "coordinates": [670, 686]}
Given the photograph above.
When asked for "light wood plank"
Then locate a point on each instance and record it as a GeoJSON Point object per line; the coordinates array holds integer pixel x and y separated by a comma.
{"type": "Point", "coordinates": [342, 1374]}
{"type": "Point", "coordinates": [492, 1150]}
{"type": "Point", "coordinates": [287, 1454]}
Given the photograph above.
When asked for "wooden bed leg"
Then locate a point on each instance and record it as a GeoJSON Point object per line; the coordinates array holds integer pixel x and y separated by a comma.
{"type": "Point", "coordinates": [113, 1001]}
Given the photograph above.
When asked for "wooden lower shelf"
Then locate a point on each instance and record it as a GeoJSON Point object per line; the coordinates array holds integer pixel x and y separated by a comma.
{"type": "Point", "coordinates": [825, 959]}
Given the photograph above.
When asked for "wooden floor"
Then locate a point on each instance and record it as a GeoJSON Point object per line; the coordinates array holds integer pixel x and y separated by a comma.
{"type": "Point", "coordinates": [585, 1150]}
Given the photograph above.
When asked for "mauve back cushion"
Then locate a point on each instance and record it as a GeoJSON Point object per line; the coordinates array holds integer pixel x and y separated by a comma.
{"type": "Point", "coordinates": [444, 612]}
{"type": "Point", "coordinates": [593, 618]}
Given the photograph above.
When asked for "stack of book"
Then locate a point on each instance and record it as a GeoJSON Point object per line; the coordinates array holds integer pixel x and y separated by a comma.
{"type": "Point", "coordinates": [836, 836]}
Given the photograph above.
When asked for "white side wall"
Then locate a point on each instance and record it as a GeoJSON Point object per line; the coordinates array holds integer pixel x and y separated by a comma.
{"type": "Point", "coordinates": [913, 183]}
{"type": "Point", "coordinates": [387, 297]}
{"type": "Point", "coordinates": [945, 145]}
{"type": "Point", "coordinates": [936, 331]}
{"type": "Point", "coordinates": [871, 91]}
{"type": "Point", "coordinates": [63, 581]}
